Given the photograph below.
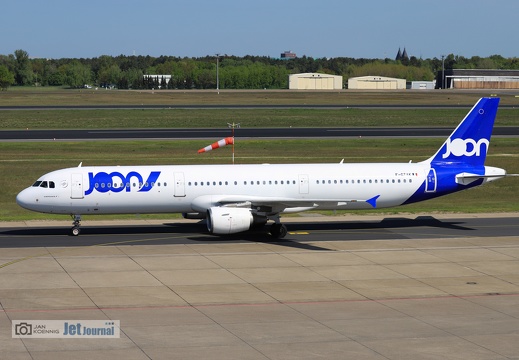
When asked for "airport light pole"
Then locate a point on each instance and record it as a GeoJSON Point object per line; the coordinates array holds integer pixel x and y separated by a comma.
{"type": "Point", "coordinates": [443, 71]}
{"type": "Point", "coordinates": [217, 73]}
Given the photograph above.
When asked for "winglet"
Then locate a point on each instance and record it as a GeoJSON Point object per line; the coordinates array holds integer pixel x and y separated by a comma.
{"type": "Point", "coordinates": [373, 201]}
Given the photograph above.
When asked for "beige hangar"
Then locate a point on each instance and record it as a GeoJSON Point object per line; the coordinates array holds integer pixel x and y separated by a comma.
{"type": "Point", "coordinates": [314, 81]}
{"type": "Point", "coordinates": [376, 83]}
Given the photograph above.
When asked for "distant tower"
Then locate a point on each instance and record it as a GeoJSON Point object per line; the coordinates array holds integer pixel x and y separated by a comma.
{"type": "Point", "coordinates": [398, 55]}
{"type": "Point", "coordinates": [402, 55]}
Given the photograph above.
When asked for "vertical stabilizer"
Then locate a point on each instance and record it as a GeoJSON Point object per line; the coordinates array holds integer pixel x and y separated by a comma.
{"type": "Point", "coordinates": [469, 142]}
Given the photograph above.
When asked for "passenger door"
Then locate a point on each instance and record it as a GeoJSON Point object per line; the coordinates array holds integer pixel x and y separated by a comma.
{"type": "Point", "coordinates": [180, 190]}
{"type": "Point", "coordinates": [430, 183]}
{"type": "Point", "coordinates": [77, 186]}
{"type": "Point", "coordinates": [303, 184]}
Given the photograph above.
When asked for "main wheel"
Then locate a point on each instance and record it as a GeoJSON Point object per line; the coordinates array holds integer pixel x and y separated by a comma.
{"type": "Point", "coordinates": [278, 231]}
{"type": "Point", "coordinates": [75, 231]}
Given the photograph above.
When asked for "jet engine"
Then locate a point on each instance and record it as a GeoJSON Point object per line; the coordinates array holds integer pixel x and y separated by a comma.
{"type": "Point", "coordinates": [227, 220]}
{"type": "Point", "coordinates": [194, 215]}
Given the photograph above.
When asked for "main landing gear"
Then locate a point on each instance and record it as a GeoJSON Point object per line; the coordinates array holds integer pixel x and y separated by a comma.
{"type": "Point", "coordinates": [278, 230]}
{"type": "Point", "coordinates": [75, 231]}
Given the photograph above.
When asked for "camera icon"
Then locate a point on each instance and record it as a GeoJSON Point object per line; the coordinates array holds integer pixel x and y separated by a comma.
{"type": "Point", "coordinates": [23, 328]}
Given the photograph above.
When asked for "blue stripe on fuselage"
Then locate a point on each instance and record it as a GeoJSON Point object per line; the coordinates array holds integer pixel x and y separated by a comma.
{"type": "Point", "coordinates": [446, 183]}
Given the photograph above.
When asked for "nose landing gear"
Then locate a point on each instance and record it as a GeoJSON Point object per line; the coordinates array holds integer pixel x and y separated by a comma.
{"type": "Point", "coordinates": [75, 231]}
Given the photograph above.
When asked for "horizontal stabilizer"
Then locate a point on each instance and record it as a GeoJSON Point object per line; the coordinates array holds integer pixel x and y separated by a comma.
{"type": "Point", "coordinates": [467, 178]}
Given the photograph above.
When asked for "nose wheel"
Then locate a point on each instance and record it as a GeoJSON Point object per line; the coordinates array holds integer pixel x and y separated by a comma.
{"type": "Point", "coordinates": [75, 231]}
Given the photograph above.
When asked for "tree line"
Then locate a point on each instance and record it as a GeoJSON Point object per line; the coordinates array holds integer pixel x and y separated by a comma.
{"type": "Point", "coordinates": [248, 72]}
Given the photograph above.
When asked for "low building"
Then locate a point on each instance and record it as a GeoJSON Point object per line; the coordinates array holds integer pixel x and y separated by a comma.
{"type": "Point", "coordinates": [288, 55]}
{"type": "Point", "coordinates": [423, 85]}
{"type": "Point", "coordinates": [477, 79]}
{"type": "Point", "coordinates": [314, 81]}
{"type": "Point", "coordinates": [376, 83]}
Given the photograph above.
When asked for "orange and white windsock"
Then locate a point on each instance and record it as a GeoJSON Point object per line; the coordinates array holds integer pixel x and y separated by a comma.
{"type": "Point", "coordinates": [216, 145]}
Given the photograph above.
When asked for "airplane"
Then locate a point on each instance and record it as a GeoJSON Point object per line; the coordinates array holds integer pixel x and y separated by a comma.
{"type": "Point", "coordinates": [236, 198]}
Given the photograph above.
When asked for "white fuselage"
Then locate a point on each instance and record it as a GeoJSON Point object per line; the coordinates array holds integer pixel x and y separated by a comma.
{"type": "Point", "coordinates": [191, 188]}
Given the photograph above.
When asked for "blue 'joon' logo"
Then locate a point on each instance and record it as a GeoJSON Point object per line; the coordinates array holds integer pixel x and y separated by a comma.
{"type": "Point", "coordinates": [117, 182]}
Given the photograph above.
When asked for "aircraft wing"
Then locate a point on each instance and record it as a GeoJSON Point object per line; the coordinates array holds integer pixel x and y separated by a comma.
{"type": "Point", "coordinates": [275, 205]}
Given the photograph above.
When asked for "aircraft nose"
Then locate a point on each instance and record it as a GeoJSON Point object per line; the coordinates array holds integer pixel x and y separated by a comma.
{"type": "Point", "coordinates": [25, 199]}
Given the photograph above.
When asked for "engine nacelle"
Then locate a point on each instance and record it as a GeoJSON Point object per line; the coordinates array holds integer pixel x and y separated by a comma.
{"type": "Point", "coordinates": [194, 215]}
{"type": "Point", "coordinates": [226, 220]}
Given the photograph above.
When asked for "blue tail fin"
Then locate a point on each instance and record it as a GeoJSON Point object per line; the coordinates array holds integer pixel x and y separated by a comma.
{"type": "Point", "coordinates": [469, 143]}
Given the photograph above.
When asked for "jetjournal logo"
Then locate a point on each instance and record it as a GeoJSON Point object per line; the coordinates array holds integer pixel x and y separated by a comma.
{"type": "Point", "coordinates": [116, 182]}
{"type": "Point", "coordinates": [66, 329]}
{"type": "Point", "coordinates": [464, 147]}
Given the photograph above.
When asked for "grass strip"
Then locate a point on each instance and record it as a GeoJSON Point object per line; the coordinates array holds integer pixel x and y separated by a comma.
{"type": "Point", "coordinates": [248, 118]}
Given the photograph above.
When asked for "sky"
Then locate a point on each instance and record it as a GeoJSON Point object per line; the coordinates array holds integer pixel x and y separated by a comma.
{"type": "Point", "coordinates": [319, 29]}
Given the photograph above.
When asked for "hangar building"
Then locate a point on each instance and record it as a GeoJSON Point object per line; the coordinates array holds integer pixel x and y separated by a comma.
{"type": "Point", "coordinates": [376, 83]}
{"type": "Point", "coordinates": [478, 79]}
{"type": "Point", "coordinates": [314, 81]}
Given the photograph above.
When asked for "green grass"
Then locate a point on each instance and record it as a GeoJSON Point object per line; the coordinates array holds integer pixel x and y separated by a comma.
{"type": "Point", "coordinates": [22, 163]}
{"type": "Point", "coordinates": [248, 118]}
{"type": "Point", "coordinates": [61, 96]}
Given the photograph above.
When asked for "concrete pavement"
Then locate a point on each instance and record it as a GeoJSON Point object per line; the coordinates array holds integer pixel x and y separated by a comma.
{"type": "Point", "coordinates": [455, 298]}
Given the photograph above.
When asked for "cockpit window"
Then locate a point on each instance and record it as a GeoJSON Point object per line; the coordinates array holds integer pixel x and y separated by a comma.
{"type": "Point", "coordinates": [44, 184]}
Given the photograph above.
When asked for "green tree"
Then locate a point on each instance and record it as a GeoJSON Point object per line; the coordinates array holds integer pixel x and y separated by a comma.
{"type": "Point", "coordinates": [6, 78]}
{"type": "Point", "coordinates": [53, 76]}
{"type": "Point", "coordinates": [8, 61]}
{"type": "Point", "coordinates": [131, 79]}
{"type": "Point", "coordinates": [77, 75]}
{"type": "Point", "coordinates": [23, 69]}
{"type": "Point", "coordinates": [206, 79]}
{"type": "Point", "coordinates": [109, 75]}
{"type": "Point", "coordinates": [486, 63]}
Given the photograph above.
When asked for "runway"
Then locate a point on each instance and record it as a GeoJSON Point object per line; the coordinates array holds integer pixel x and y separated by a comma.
{"type": "Point", "coordinates": [144, 134]}
{"type": "Point", "coordinates": [367, 287]}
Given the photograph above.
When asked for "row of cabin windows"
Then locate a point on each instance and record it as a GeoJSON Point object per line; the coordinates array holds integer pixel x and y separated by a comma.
{"type": "Point", "coordinates": [364, 181]}
{"type": "Point", "coordinates": [116, 185]}
{"type": "Point", "coordinates": [253, 182]}
{"type": "Point", "coordinates": [293, 182]}
{"type": "Point", "coordinates": [51, 185]}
